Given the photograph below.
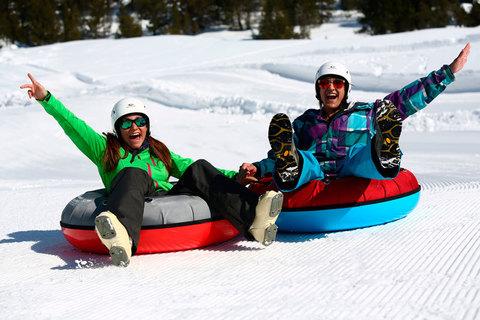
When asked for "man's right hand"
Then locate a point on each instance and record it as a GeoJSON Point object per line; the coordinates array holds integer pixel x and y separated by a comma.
{"type": "Point", "coordinates": [246, 173]}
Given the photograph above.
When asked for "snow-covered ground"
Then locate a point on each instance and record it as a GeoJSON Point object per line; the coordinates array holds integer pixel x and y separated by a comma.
{"type": "Point", "coordinates": [211, 96]}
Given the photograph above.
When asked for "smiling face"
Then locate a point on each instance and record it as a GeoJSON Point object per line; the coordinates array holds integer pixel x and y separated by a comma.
{"type": "Point", "coordinates": [135, 134]}
{"type": "Point", "coordinates": [332, 93]}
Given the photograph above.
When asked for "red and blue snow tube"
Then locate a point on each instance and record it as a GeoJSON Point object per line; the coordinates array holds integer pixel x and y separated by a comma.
{"type": "Point", "coordinates": [170, 223]}
{"type": "Point", "coordinates": [346, 203]}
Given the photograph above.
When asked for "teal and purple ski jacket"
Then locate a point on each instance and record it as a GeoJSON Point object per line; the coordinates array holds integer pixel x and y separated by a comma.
{"type": "Point", "coordinates": [342, 145]}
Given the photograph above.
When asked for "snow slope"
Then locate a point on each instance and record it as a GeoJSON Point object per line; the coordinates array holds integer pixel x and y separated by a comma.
{"type": "Point", "coordinates": [212, 96]}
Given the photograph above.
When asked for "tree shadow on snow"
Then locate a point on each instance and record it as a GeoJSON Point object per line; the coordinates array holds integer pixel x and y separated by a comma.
{"type": "Point", "coordinates": [52, 242]}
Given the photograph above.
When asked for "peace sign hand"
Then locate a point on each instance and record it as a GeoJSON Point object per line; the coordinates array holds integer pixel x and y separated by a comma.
{"type": "Point", "coordinates": [35, 89]}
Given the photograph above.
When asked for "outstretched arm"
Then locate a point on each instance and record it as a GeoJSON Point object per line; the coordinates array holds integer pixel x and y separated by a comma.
{"type": "Point", "coordinates": [460, 61]}
{"type": "Point", "coordinates": [416, 95]}
{"type": "Point", "coordinates": [91, 143]}
{"type": "Point", "coordinates": [35, 89]}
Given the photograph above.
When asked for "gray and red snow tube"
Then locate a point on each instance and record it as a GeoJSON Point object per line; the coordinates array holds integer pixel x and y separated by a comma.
{"type": "Point", "coordinates": [170, 223]}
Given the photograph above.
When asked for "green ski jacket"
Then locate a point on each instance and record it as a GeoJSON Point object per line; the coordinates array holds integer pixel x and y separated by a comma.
{"type": "Point", "coordinates": [94, 144]}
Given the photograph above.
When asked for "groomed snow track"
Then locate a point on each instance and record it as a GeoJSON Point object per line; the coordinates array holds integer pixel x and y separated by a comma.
{"type": "Point", "coordinates": [425, 266]}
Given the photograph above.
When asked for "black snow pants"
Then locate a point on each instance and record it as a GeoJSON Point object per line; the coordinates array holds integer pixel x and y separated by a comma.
{"type": "Point", "coordinates": [224, 196]}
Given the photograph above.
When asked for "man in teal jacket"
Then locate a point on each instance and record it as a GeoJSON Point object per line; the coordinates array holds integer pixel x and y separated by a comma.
{"type": "Point", "coordinates": [346, 138]}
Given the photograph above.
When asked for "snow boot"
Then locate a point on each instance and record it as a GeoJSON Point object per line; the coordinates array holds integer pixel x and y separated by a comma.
{"type": "Point", "coordinates": [389, 128]}
{"type": "Point", "coordinates": [263, 228]}
{"type": "Point", "coordinates": [115, 237]}
{"type": "Point", "coordinates": [280, 135]}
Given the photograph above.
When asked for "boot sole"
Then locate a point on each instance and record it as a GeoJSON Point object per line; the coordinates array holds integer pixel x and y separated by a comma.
{"type": "Point", "coordinates": [119, 256]}
{"type": "Point", "coordinates": [280, 136]}
{"type": "Point", "coordinates": [391, 131]}
{"type": "Point", "coordinates": [276, 205]}
{"type": "Point", "coordinates": [390, 126]}
{"type": "Point", "coordinates": [275, 209]}
{"type": "Point", "coordinates": [106, 231]}
{"type": "Point", "coordinates": [270, 235]}
{"type": "Point", "coordinates": [105, 228]}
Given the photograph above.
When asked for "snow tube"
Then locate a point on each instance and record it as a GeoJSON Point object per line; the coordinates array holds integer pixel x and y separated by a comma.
{"type": "Point", "coordinates": [170, 223]}
{"type": "Point", "coordinates": [346, 203]}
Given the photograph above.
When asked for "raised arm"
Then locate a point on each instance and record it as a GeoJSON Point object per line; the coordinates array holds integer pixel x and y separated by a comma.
{"type": "Point", "coordinates": [87, 140]}
{"type": "Point", "coordinates": [417, 94]}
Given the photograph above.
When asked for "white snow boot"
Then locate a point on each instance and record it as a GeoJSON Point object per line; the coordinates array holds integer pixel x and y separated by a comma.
{"type": "Point", "coordinates": [115, 237]}
{"type": "Point", "coordinates": [263, 228]}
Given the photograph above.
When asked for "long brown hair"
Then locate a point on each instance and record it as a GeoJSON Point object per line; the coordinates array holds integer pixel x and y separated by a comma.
{"type": "Point", "coordinates": [112, 153]}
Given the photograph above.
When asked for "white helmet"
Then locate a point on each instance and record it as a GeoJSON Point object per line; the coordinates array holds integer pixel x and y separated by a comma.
{"type": "Point", "coordinates": [127, 106]}
{"type": "Point", "coordinates": [335, 69]}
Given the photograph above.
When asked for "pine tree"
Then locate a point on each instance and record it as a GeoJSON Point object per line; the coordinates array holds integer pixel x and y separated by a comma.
{"type": "Point", "coordinates": [190, 24]}
{"type": "Point", "coordinates": [349, 4]}
{"type": "Point", "coordinates": [310, 13]}
{"type": "Point", "coordinates": [191, 17]}
{"type": "Point", "coordinates": [475, 14]}
{"type": "Point", "coordinates": [386, 16]}
{"type": "Point", "coordinates": [128, 27]}
{"type": "Point", "coordinates": [42, 24]}
{"type": "Point", "coordinates": [16, 21]}
{"type": "Point", "coordinates": [266, 29]}
{"type": "Point", "coordinates": [232, 12]}
{"type": "Point", "coordinates": [250, 8]}
{"type": "Point", "coordinates": [280, 18]}
{"type": "Point", "coordinates": [155, 11]}
{"type": "Point", "coordinates": [461, 16]}
{"type": "Point", "coordinates": [276, 21]}
{"type": "Point", "coordinates": [5, 33]}
{"type": "Point", "coordinates": [397, 16]}
{"type": "Point", "coordinates": [227, 8]}
{"type": "Point", "coordinates": [71, 19]}
{"type": "Point", "coordinates": [98, 18]}
{"type": "Point", "coordinates": [199, 15]}
{"type": "Point", "coordinates": [176, 24]}
{"type": "Point", "coordinates": [436, 13]}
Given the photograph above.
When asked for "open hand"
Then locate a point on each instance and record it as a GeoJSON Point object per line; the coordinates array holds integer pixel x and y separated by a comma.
{"type": "Point", "coordinates": [460, 61]}
{"type": "Point", "coordinates": [35, 89]}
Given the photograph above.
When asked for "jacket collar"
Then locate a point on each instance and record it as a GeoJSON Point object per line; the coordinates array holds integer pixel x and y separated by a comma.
{"type": "Point", "coordinates": [145, 145]}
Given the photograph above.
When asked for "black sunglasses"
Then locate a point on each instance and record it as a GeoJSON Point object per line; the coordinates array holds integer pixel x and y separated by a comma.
{"type": "Point", "coordinates": [127, 123]}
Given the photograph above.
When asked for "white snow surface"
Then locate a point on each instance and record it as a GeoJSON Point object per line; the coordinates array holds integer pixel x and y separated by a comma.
{"type": "Point", "coordinates": [211, 96]}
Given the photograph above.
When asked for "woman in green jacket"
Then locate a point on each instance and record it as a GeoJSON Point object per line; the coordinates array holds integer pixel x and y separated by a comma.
{"type": "Point", "coordinates": [133, 165]}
